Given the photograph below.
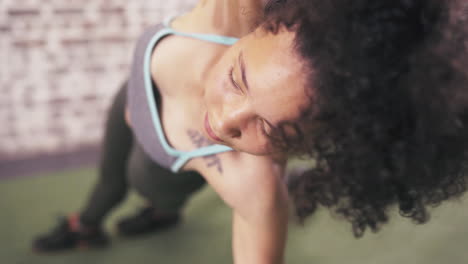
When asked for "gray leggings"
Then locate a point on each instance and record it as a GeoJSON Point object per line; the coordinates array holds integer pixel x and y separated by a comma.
{"type": "Point", "coordinates": [123, 163]}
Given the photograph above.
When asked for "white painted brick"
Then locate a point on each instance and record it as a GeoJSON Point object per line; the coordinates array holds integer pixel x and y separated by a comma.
{"type": "Point", "coordinates": [37, 75]}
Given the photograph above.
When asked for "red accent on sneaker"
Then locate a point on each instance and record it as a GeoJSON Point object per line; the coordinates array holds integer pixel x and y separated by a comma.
{"type": "Point", "coordinates": [74, 222]}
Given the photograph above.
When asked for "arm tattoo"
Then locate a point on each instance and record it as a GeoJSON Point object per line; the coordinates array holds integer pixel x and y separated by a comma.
{"type": "Point", "coordinates": [200, 141]}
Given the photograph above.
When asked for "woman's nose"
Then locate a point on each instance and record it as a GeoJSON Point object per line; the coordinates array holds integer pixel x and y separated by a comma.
{"type": "Point", "coordinates": [234, 120]}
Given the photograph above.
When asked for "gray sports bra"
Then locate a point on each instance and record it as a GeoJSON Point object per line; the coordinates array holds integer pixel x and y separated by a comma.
{"type": "Point", "coordinates": [141, 100]}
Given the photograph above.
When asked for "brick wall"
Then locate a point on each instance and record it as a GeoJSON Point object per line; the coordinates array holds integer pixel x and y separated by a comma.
{"type": "Point", "coordinates": [60, 64]}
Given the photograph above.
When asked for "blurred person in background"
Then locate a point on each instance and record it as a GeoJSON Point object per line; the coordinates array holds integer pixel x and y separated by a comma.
{"type": "Point", "coordinates": [372, 92]}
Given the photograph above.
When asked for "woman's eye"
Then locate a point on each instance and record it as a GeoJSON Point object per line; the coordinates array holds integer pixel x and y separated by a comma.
{"type": "Point", "coordinates": [265, 127]}
{"type": "Point", "coordinates": [231, 77]}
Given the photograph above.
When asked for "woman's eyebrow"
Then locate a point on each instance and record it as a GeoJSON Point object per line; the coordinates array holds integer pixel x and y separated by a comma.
{"type": "Point", "coordinates": [246, 84]}
{"type": "Point", "coordinates": [271, 125]}
{"type": "Point", "coordinates": [242, 67]}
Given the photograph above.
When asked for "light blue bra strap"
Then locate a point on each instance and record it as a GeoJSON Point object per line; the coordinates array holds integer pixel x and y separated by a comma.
{"type": "Point", "coordinates": [219, 39]}
{"type": "Point", "coordinates": [150, 94]}
{"type": "Point", "coordinates": [209, 38]}
{"type": "Point", "coordinates": [205, 151]}
{"type": "Point", "coordinates": [183, 155]}
{"type": "Point", "coordinates": [209, 150]}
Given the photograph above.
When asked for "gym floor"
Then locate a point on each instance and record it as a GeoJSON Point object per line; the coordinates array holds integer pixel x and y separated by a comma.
{"type": "Point", "coordinates": [30, 205]}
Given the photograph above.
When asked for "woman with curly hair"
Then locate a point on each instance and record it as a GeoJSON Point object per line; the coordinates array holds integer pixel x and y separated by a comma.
{"type": "Point", "coordinates": [374, 93]}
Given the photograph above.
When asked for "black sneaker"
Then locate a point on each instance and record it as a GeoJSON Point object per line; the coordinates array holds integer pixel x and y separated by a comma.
{"type": "Point", "coordinates": [146, 221]}
{"type": "Point", "coordinates": [63, 237]}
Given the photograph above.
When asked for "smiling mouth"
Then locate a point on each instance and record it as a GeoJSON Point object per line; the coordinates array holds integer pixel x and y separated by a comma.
{"type": "Point", "coordinates": [209, 131]}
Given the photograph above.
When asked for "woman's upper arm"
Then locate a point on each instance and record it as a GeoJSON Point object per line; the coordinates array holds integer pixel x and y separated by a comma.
{"type": "Point", "coordinates": [253, 187]}
{"type": "Point", "coordinates": [260, 219]}
{"type": "Point", "coordinates": [246, 180]}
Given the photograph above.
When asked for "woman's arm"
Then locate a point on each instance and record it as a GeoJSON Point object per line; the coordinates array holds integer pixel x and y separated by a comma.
{"type": "Point", "coordinates": [260, 237]}
{"type": "Point", "coordinates": [253, 187]}
{"type": "Point", "coordinates": [258, 196]}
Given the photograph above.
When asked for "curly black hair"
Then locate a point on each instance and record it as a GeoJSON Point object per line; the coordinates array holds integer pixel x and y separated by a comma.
{"type": "Point", "coordinates": [390, 90]}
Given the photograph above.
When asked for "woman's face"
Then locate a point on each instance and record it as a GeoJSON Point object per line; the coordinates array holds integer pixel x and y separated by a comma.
{"type": "Point", "coordinates": [258, 83]}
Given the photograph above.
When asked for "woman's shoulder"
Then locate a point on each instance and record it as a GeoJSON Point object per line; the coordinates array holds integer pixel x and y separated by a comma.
{"type": "Point", "coordinates": [193, 22]}
{"type": "Point", "coordinates": [239, 175]}
{"type": "Point", "coordinates": [217, 19]}
{"type": "Point", "coordinates": [235, 162]}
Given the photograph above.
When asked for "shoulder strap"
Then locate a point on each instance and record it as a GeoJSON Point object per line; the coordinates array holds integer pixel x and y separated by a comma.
{"type": "Point", "coordinates": [182, 156]}
{"type": "Point", "coordinates": [219, 39]}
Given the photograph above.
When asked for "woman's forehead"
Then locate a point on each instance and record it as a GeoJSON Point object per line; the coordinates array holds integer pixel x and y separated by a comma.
{"type": "Point", "coordinates": [276, 75]}
{"type": "Point", "coordinates": [279, 99]}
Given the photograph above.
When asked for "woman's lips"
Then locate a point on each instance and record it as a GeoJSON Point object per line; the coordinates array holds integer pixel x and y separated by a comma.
{"type": "Point", "coordinates": [209, 131]}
